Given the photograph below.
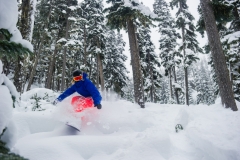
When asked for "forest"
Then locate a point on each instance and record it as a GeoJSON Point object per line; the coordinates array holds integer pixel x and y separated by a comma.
{"type": "Point", "coordinates": [68, 35]}
{"type": "Point", "coordinates": [179, 83]}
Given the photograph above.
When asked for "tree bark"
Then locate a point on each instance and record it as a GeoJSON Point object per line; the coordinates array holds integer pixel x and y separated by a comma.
{"type": "Point", "coordinates": [50, 70]}
{"type": "Point", "coordinates": [34, 68]}
{"type": "Point", "coordinates": [150, 71]}
{"type": "Point", "coordinates": [38, 54]}
{"type": "Point", "coordinates": [186, 86]}
{"type": "Point", "coordinates": [175, 89]}
{"type": "Point", "coordinates": [222, 73]}
{"type": "Point", "coordinates": [152, 85]}
{"type": "Point", "coordinates": [100, 67]}
{"type": "Point", "coordinates": [85, 46]}
{"type": "Point", "coordinates": [236, 19]}
{"type": "Point", "coordinates": [18, 74]}
{"type": "Point", "coordinates": [185, 68]}
{"type": "Point", "coordinates": [170, 83]}
{"type": "Point", "coordinates": [25, 29]}
{"type": "Point", "coordinates": [136, 67]}
{"type": "Point", "coordinates": [25, 26]}
{"type": "Point", "coordinates": [63, 83]}
{"type": "Point", "coordinates": [97, 74]}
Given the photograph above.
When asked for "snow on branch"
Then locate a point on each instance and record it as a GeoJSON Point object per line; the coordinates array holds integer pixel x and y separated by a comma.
{"type": "Point", "coordinates": [8, 20]}
{"type": "Point", "coordinates": [72, 8]}
{"type": "Point", "coordinates": [72, 19]}
{"type": "Point", "coordinates": [140, 7]}
{"type": "Point", "coordinates": [231, 37]}
{"type": "Point", "coordinates": [61, 40]}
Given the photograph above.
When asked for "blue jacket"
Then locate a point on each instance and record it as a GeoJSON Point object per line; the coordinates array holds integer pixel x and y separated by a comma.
{"type": "Point", "coordinates": [85, 88]}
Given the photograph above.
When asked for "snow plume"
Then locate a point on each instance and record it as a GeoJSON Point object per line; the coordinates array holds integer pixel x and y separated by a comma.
{"type": "Point", "coordinates": [8, 20]}
{"type": "Point", "coordinates": [142, 8]}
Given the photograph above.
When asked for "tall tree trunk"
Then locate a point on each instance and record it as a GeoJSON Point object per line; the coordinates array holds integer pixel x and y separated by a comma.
{"type": "Point", "coordinates": [85, 46]}
{"type": "Point", "coordinates": [152, 85]}
{"type": "Point", "coordinates": [38, 53]}
{"type": "Point", "coordinates": [100, 67]}
{"type": "Point", "coordinates": [25, 28]}
{"type": "Point", "coordinates": [97, 73]}
{"type": "Point", "coordinates": [49, 78]}
{"type": "Point", "coordinates": [185, 68]}
{"type": "Point", "coordinates": [150, 70]}
{"type": "Point", "coordinates": [136, 67]}
{"type": "Point", "coordinates": [175, 89]}
{"type": "Point", "coordinates": [186, 86]}
{"type": "Point", "coordinates": [170, 82]}
{"type": "Point", "coordinates": [65, 55]}
{"type": "Point", "coordinates": [63, 83]}
{"type": "Point", "coordinates": [34, 67]}
{"type": "Point", "coordinates": [25, 22]}
{"type": "Point", "coordinates": [50, 70]}
{"type": "Point", "coordinates": [18, 74]}
{"type": "Point", "coordinates": [219, 61]}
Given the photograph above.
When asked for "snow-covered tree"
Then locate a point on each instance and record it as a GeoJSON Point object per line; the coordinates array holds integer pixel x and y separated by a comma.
{"type": "Point", "coordinates": [222, 73]}
{"type": "Point", "coordinates": [93, 10]}
{"type": "Point", "coordinates": [121, 14]}
{"type": "Point", "coordinates": [184, 22]}
{"type": "Point", "coordinates": [8, 92]}
{"type": "Point", "coordinates": [202, 84]}
{"type": "Point", "coordinates": [226, 12]}
{"type": "Point", "coordinates": [25, 25]}
{"type": "Point", "coordinates": [150, 64]}
{"type": "Point", "coordinates": [169, 55]}
{"type": "Point", "coordinates": [115, 72]}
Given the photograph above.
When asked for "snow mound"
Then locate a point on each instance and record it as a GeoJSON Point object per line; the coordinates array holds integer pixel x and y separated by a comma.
{"type": "Point", "coordinates": [6, 107]}
{"type": "Point", "coordinates": [37, 99]}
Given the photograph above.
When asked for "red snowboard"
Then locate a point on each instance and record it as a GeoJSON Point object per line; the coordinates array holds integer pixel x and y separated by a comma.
{"type": "Point", "coordinates": [80, 103]}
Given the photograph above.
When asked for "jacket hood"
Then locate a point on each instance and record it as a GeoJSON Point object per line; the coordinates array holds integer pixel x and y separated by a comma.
{"type": "Point", "coordinates": [84, 75]}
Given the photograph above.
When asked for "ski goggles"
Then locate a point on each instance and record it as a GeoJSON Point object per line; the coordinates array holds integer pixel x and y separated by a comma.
{"type": "Point", "coordinates": [77, 78]}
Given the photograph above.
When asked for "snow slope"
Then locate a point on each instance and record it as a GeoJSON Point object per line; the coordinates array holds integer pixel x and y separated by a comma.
{"type": "Point", "coordinates": [124, 131]}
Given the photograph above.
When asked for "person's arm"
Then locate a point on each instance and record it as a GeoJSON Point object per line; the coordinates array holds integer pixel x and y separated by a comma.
{"type": "Point", "coordinates": [66, 93]}
{"type": "Point", "coordinates": [92, 89]}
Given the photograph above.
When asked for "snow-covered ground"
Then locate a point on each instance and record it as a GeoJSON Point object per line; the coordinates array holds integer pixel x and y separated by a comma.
{"type": "Point", "coordinates": [123, 131]}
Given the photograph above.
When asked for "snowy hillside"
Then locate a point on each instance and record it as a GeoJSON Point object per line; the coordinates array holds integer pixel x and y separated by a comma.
{"type": "Point", "coordinates": [123, 131]}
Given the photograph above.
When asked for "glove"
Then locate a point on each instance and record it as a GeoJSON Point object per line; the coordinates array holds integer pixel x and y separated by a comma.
{"type": "Point", "coordinates": [55, 102]}
{"type": "Point", "coordinates": [99, 106]}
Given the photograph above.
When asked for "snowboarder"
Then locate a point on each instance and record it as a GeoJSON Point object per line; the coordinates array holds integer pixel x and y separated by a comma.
{"type": "Point", "coordinates": [83, 86]}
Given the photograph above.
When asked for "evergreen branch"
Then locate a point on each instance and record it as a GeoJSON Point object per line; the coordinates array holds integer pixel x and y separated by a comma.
{"type": "Point", "coordinates": [12, 49]}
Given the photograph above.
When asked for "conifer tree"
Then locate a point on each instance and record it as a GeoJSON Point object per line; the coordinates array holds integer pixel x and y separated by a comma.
{"type": "Point", "coordinates": [222, 72]}
{"type": "Point", "coordinates": [150, 64]}
{"type": "Point", "coordinates": [10, 50]}
{"type": "Point", "coordinates": [203, 84]}
{"type": "Point", "coordinates": [185, 23]}
{"type": "Point", "coordinates": [129, 91]}
{"type": "Point", "coordinates": [170, 57]}
{"type": "Point", "coordinates": [231, 46]}
{"type": "Point", "coordinates": [68, 19]}
{"type": "Point", "coordinates": [10, 91]}
{"type": "Point", "coordinates": [96, 36]}
{"type": "Point", "coordinates": [40, 35]}
{"type": "Point", "coordinates": [122, 16]}
{"type": "Point", "coordinates": [164, 91]}
{"type": "Point", "coordinates": [115, 72]}
{"type": "Point", "coordinates": [226, 11]}
{"type": "Point", "coordinates": [25, 26]}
